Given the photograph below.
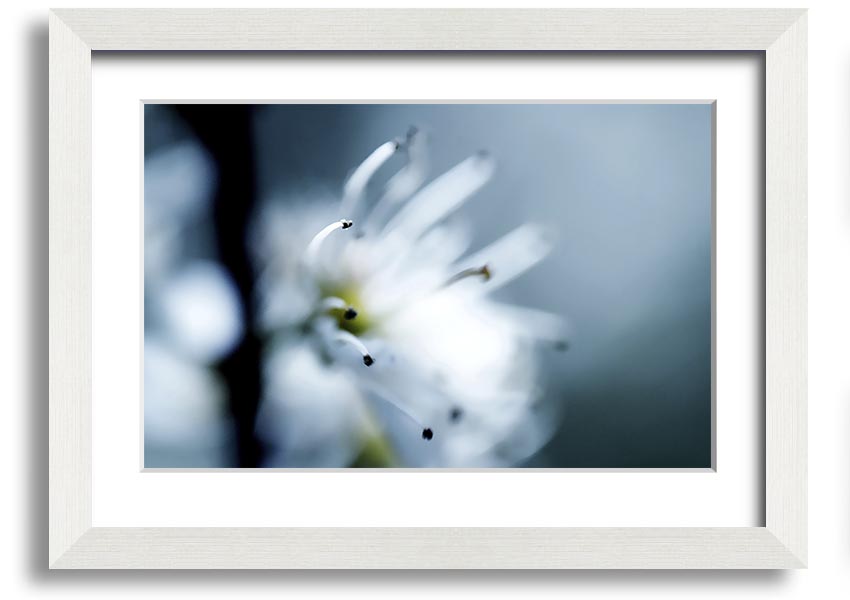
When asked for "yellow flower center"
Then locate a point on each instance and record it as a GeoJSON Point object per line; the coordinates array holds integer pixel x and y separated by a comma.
{"type": "Point", "coordinates": [349, 294]}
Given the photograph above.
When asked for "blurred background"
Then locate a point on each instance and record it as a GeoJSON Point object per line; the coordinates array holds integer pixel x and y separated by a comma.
{"type": "Point", "coordinates": [626, 189]}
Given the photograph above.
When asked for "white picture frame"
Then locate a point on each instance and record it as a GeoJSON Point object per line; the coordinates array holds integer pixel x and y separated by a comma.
{"type": "Point", "coordinates": [76, 33]}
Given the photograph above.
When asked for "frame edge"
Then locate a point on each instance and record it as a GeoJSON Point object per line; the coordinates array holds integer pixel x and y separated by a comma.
{"type": "Point", "coordinates": [429, 548]}
{"type": "Point", "coordinates": [69, 313]}
{"type": "Point", "coordinates": [74, 543]}
{"type": "Point", "coordinates": [430, 29]}
{"type": "Point", "coordinates": [786, 292]}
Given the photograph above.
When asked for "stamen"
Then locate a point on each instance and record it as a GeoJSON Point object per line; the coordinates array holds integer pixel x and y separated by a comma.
{"type": "Point", "coordinates": [352, 340]}
{"type": "Point", "coordinates": [315, 244]}
{"type": "Point", "coordinates": [513, 254]}
{"type": "Point", "coordinates": [332, 303]}
{"type": "Point", "coordinates": [427, 432]}
{"type": "Point", "coordinates": [455, 414]}
{"type": "Point", "coordinates": [359, 179]}
{"type": "Point", "coordinates": [482, 271]}
{"type": "Point", "coordinates": [403, 184]}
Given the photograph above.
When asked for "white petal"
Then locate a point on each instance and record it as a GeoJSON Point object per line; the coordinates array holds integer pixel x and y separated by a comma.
{"type": "Point", "coordinates": [359, 179]}
{"type": "Point", "coordinates": [403, 427]}
{"type": "Point", "coordinates": [311, 414]}
{"type": "Point", "coordinates": [413, 271]}
{"type": "Point", "coordinates": [202, 311]}
{"type": "Point", "coordinates": [510, 256]}
{"type": "Point", "coordinates": [185, 424]}
{"type": "Point", "coordinates": [282, 301]}
{"type": "Point", "coordinates": [443, 245]}
{"type": "Point", "coordinates": [401, 185]}
{"type": "Point", "coordinates": [178, 184]}
{"type": "Point", "coordinates": [440, 197]}
{"type": "Point", "coordinates": [447, 330]}
{"type": "Point", "coordinates": [530, 322]}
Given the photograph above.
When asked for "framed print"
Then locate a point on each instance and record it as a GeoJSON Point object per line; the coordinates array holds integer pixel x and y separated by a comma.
{"type": "Point", "coordinates": [351, 301]}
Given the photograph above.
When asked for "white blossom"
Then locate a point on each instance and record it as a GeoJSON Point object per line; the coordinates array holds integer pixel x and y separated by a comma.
{"type": "Point", "coordinates": [386, 346]}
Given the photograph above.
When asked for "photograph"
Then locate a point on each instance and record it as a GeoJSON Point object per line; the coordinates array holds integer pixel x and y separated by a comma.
{"type": "Point", "coordinates": [440, 285]}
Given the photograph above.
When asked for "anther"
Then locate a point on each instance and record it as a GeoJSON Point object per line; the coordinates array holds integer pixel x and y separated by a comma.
{"type": "Point", "coordinates": [455, 414]}
{"type": "Point", "coordinates": [333, 304]}
{"type": "Point", "coordinates": [427, 434]}
{"type": "Point", "coordinates": [352, 340]}
{"type": "Point", "coordinates": [316, 243]}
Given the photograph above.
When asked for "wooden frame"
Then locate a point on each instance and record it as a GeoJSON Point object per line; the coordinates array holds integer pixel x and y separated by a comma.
{"type": "Point", "coordinates": [75, 34]}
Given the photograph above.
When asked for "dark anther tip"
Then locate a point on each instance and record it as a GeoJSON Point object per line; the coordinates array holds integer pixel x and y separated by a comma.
{"type": "Point", "coordinates": [368, 360]}
{"type": "Point", "coordinates": [486, 272]}
{"type": "Point", "coordinates": [347, 223]}
{"type": "Point", "coordinates": [562, 345]}
{"type": "Point", "coordinates": [349, 314]}
{"type": "Point", "coordinates": [427, 434]}
{"type": "Point", "coordinates": [455, 414]}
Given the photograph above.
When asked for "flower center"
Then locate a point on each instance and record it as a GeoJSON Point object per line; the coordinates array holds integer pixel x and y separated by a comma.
{"type": "Point", "coordinates": [350, 314]}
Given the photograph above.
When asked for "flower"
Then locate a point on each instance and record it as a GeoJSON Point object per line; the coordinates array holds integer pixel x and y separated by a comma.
{"type": "Point", "coordinates": [385, 345]}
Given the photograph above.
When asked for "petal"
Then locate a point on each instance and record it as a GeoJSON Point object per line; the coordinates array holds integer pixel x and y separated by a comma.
{"type": "Point", "coordinates": [178, 184]}
{"type": "Point", "coordinates": [530, 322]}
{"type": "Point", "coordinates": [403, 184]}
{"type": "Point", "coordinates": [360, 177]}
{"type": "Point", "coordinates": [414, 271]}
{"type": "Point", "coordinates": [311, 414]}
{"type": "Point", "coordinates": [202, 311]}
{"type": "Point", "coordinates": [510, 256]}
{"type": "Point", "coordinates": [185, 424]}
{"type": "Point", "coordinates": [441, 197]}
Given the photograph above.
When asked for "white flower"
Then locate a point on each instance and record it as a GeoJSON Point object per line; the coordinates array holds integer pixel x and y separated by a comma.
{"type": "Point", "coordinates": [386, 347]}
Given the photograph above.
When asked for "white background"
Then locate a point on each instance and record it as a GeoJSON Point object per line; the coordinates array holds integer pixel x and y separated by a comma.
{"type": "Point", "coordinates": [24, 373]}
{"type": "Point", "coordinates": [122, 496]}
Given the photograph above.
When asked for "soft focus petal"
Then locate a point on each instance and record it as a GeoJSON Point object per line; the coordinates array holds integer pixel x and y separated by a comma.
{"type": "Point", "coordinates": [403, 184]}
{"type": "Point", "coordinates": [529, 322]}
{"type": "Point", "coordinates": [185, 421]}
{"type": "Point", "coordinates": [355, 187]}
{"type": "Point", "coordinates": [178, 184]}
{"type": "Point", "coordinates": [311, 415]}
{"type": "Point", "coordinates": [178, 191]}
{"type": "Point", "coordinates": [441, 197]}
{"type": "Point", "coordinates": [510, 256]}
{"type": "Point", "coordinates": [202, 312]}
